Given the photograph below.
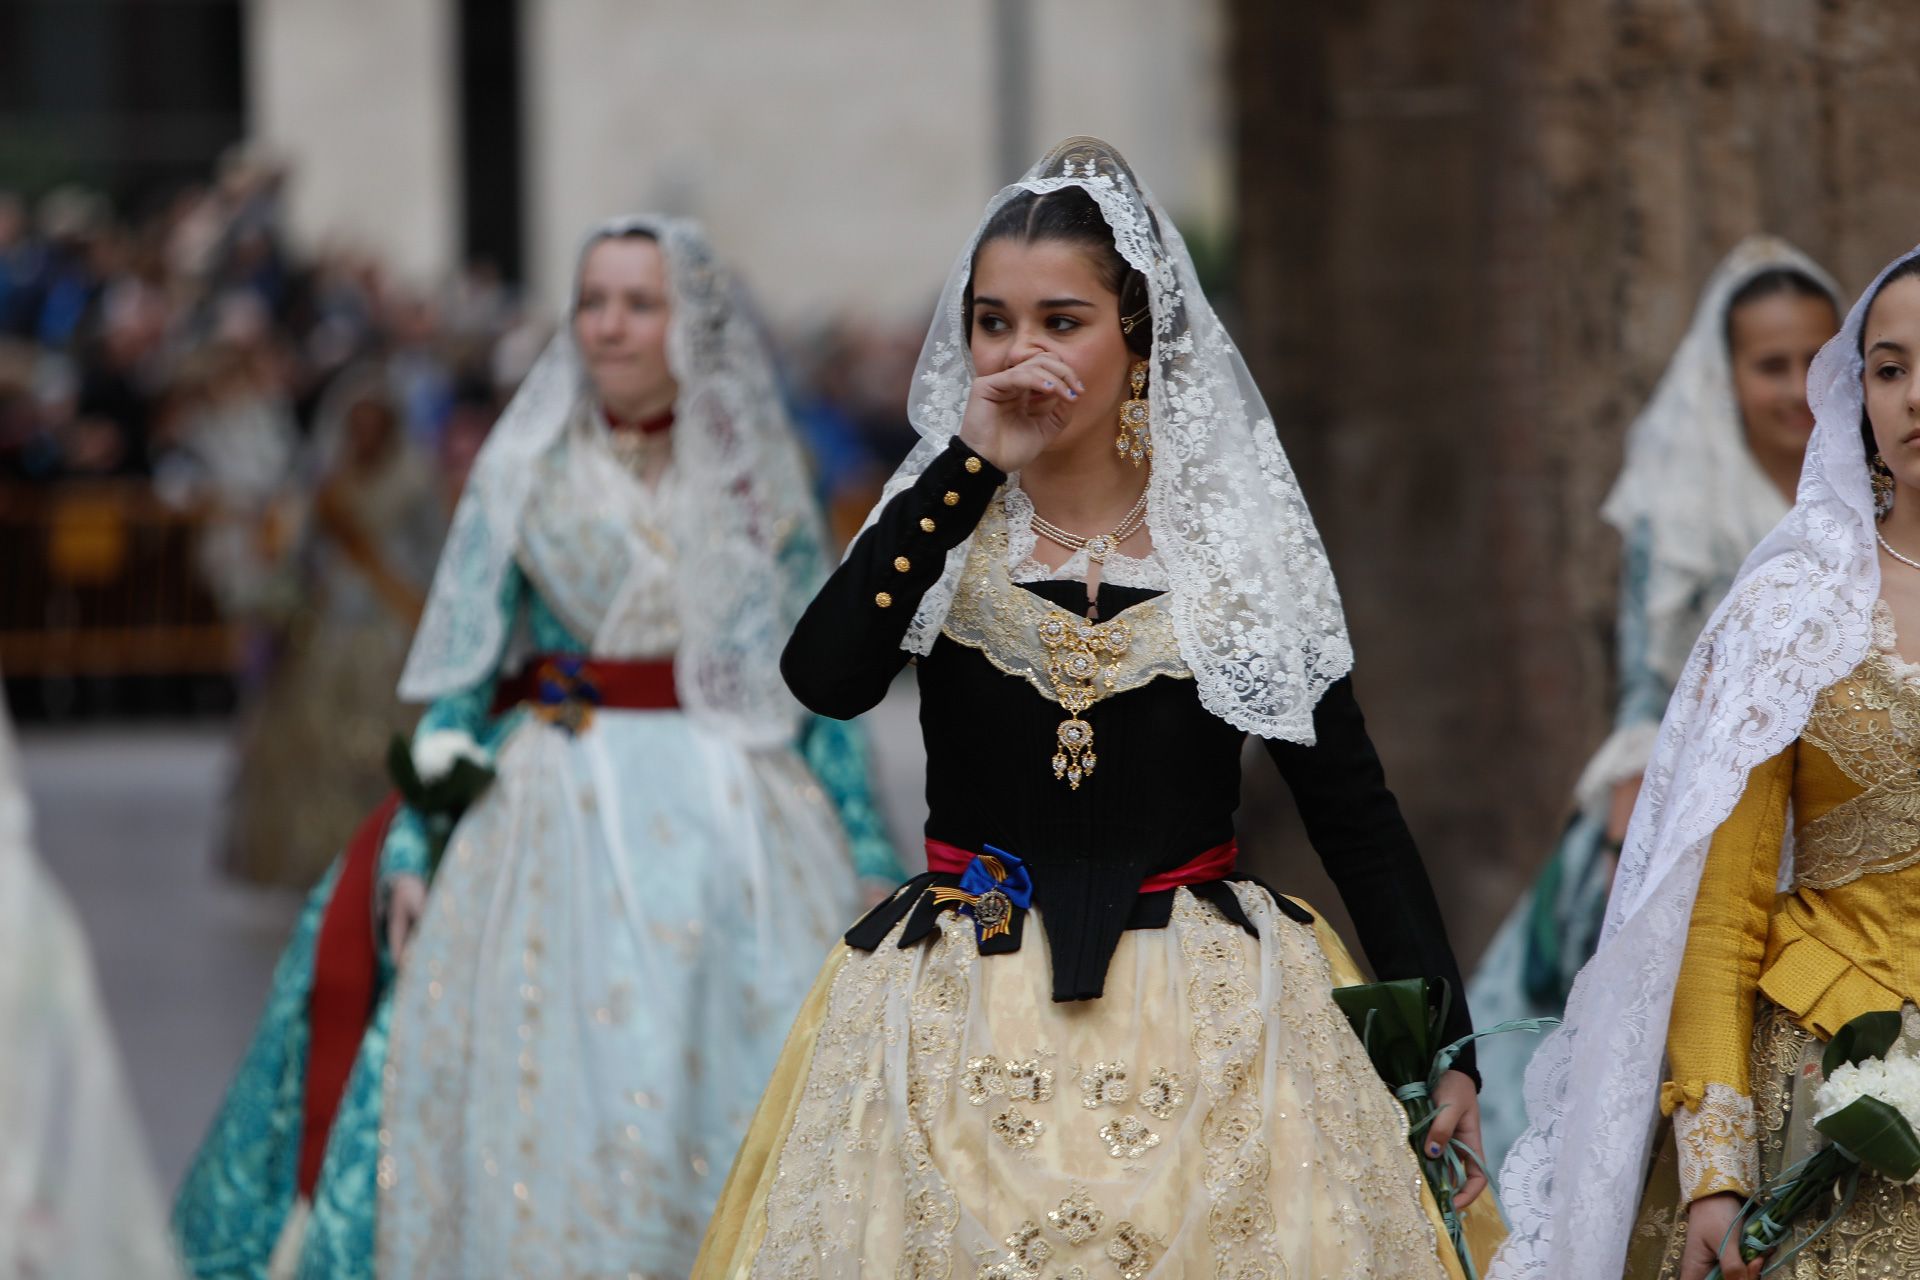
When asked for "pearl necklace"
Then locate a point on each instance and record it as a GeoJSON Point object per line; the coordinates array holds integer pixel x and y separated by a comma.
{"type": "Point", "coordinates": [1888, 548]}
{"type": "Point", "coordinates": [1100, 545]}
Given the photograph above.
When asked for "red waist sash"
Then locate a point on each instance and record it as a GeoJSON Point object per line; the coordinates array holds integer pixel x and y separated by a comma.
{"type": "Point", "coordinates": [555, 680]}
{"type": "Point", "coordinates": [1214, 864]}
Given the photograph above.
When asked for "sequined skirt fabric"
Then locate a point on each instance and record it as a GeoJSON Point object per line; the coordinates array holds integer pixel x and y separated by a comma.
{"type": "Point", "coordinates": [1211, 1115]}
{"type": "Point", "coordinates": [615, 945]}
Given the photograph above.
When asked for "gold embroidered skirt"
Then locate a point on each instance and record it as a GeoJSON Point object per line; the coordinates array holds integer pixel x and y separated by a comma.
{"type": "Point", "coordinates": [938, 1115]}
{"type": "Point", "coordinates": [1878, 1236]}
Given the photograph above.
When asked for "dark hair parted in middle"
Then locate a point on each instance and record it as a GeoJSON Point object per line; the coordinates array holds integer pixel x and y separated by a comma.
{"type": "Point", "coordinates": [1773, 281]}
{"type": "Point", "coordinates": [1070, 216]}
{"type": "Point", "coordinates": [1903, 271]}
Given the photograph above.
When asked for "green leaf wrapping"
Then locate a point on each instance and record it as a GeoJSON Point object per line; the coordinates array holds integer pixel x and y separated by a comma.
{"type": "Point", "coordinates": [1395, 1025]}
{"type": "Point", "coordinates": [1868, 1036]}
{"type": "Point", "coordinates": [449, 795]}
{"type": "Point", "coordinates": [406, 780]}
{"type": "Point", "coordinates": [1875, 1134]}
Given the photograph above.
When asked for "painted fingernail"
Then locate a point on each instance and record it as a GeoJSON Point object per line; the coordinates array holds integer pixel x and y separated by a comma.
{"type": "Point", "coordinates": [1047, 384]}
{"type": "Point", "coordinates": [1433, 1150]}
{"type": "Point", "coordinates": [1072, 394]}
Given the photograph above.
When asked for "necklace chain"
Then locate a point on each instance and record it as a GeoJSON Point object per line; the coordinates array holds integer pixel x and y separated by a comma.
{"type": "Point", "coordinates": [1888, 548]}
{"type": "Point", "coordinates": [1099, 545]}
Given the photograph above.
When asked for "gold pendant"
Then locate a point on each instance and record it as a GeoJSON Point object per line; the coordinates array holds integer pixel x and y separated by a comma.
{"type": "Point", "coordinates": [1075, 759]}
{"type": "Point", "coordinates": [1079, 663]}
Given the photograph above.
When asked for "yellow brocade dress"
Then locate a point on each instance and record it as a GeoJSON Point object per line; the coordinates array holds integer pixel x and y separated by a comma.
{"type": "Point", "coordinates": [1769, 975]}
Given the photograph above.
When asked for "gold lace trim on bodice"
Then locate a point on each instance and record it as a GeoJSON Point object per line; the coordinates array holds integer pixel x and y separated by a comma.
{"type": "Point", "coordinates": [1869, 725]}
{"type": "Point", "coordinates": [1066, 659]}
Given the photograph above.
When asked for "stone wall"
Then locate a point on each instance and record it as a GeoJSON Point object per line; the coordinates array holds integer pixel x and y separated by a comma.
{"type": "Point", "coordinates": [1470, 235]}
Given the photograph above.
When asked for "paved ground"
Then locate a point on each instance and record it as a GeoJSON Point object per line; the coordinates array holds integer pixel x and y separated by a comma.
{"type": "Point", "coordinates": [127, 819]}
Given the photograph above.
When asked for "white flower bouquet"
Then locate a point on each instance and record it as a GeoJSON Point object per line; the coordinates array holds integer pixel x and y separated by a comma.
{"type": "Point", "coordinates": [1867, 1107]}
{"type": "Point", "coordinates": [438, 777]}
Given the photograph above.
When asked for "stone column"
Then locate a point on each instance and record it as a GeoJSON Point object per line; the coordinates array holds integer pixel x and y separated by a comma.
{"type": "Point", "coordinates": [358, 97]}
{"type": "Point", "coordinates": [1470, 237]}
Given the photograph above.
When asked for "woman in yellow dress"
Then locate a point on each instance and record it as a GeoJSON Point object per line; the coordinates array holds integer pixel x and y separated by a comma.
{"type": "Point", "coordinates": [1765, 885]}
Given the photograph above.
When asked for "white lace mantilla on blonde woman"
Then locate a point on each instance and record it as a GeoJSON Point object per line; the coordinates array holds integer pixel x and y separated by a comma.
{"type": "Point", "coordinates": [625, 922]}
{"type": "Point", "coordinates": [1798, 618]}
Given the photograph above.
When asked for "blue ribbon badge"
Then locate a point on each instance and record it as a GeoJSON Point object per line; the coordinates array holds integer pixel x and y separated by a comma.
{"type": "Point", "coordinates": [567, 693]}
{"type": "Point", "coordinates": [993, 884]}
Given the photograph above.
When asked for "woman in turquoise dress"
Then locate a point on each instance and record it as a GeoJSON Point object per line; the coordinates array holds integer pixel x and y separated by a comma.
{"type": "Point", "coordinates": [624, 922]}
{"type": "Point", "coordinates": [1710, 468]}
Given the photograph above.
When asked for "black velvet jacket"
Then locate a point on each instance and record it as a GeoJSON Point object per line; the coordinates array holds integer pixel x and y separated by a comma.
{"type": "Point", "coordinates": [1166, 785]}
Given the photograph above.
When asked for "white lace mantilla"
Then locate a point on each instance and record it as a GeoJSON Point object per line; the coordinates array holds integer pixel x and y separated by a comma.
{"type": "Point", "coordinates": [1689, 475]}
{"type": "Point", "coordinates": [1798, 619]}
{"type": "Point", "coordinates": [735, 593]}
{"type": "Point", "coordinates": [599, 546]}
{"type": "Point", "coordinates": [1251, 591]}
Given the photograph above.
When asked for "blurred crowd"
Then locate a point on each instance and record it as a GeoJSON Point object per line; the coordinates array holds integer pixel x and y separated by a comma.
{"type": "Point", "coordinates": [184, 343]}
{"type": "Point", "coordinates": [182, 351]}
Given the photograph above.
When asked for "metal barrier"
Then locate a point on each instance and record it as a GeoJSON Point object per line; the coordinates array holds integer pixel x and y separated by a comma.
{"type": "Point", "coordinates": [98, 579]}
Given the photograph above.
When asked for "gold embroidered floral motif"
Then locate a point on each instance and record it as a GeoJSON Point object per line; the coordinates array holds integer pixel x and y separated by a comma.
{"type": "Point", "coordinates": [1028, 1081]}
{"type": "Point", "coordinates": [1718, 1144]}
{"type": "Point", "coordinates": [1077, 1218]}
{"type": "Point", "coordinates": [1018, 1130]}
{"type": "Point", "coordinates": [1127, 1138]}
{"type": "Point", "coordinates": [1869, 725]}
{"type": "Point", "coordinates": [1066, 659]}
{"type": "Point", "coordinates": [1164, 1093]}
{"type": "Point", "coordinates": [1131, 1251]}
{"type": "Point", "coordinates": [1028, 1248]}
{"type": "Point", "coordinates": [925, 1263]}
{"type": "Point", "coordinates": [982, 1080]}
{"type": "Point", "coordinates": [1105, 1086]}
{"type": "Point", "coordinates": [1241, 1220]}
{"type": "Point", "coordinates": [933, 1209]}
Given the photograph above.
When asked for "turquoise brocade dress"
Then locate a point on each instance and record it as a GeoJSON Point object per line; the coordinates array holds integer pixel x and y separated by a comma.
{"type": "Point", "coordinates": [240, 1190]}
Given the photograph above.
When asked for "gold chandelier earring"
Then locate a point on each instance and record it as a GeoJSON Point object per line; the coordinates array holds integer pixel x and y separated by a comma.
{"type": "Point", "coordinates": [1882, 485]}
{"type": "Point", "coordinates": [1134, 440]}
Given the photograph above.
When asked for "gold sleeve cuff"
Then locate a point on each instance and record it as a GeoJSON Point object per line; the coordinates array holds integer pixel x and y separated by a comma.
{"type": "Point", "coordinates": [1718, 1142]}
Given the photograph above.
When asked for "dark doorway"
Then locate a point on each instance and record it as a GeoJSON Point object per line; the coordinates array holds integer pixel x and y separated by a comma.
{"type": "Point", "coordinates": [490, 133]}
{"type": "Point", "coordinates": [130, 97]}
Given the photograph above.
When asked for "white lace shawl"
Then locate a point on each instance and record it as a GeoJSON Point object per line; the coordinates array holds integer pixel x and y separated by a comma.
{"type": "Point", "coordinates": [1252, 595]}
{"type": "Point", "coordinates": [732, 444]}
{"type": "Point", "coordinates": [1799, 618]}
{"type": "Point", "coordinates": [77, 1191]}
{"type": "Point", "coordinates": [1689, 475]}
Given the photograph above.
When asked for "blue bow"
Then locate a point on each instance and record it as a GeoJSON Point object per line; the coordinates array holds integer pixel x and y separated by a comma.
{"type": "Point", "coordinates": [566, 692]}
{"type": "Point", "coordinates": [993, 884]}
